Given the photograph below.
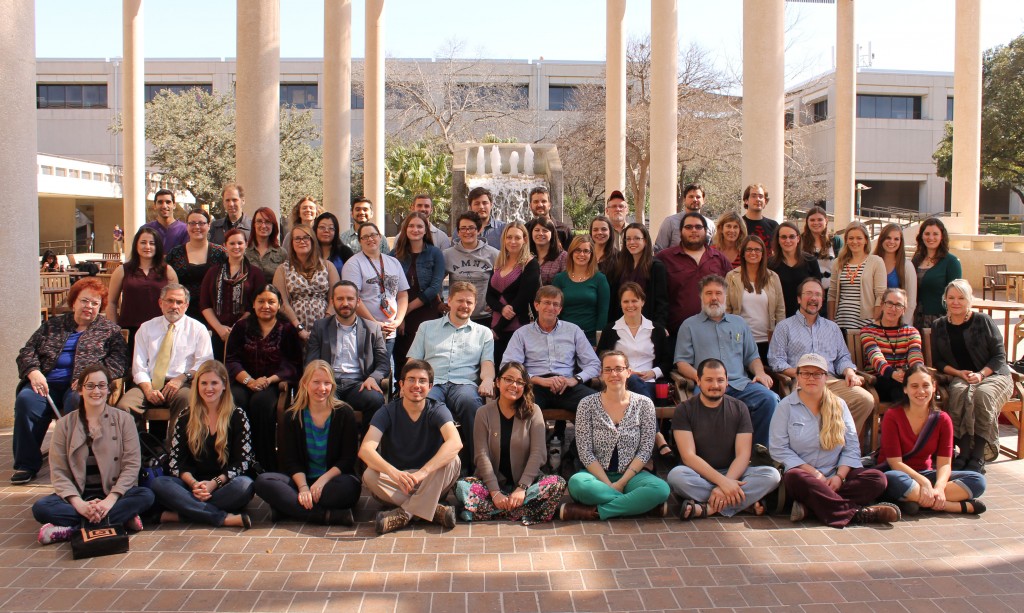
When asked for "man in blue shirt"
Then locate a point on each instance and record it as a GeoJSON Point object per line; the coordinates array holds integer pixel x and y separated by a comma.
{"type": "Point", "coordinates": [462, 354]}
{"type": "Point", "coordinates": [713, 333]}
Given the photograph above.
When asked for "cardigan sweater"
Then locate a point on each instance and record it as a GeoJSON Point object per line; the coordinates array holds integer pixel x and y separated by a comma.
{"type": "Point", "coordinates": [984, 344]}
{"type": "Point", "coordinates": [887, 349]}
{"type": "Point", "coordinates": [663, 348]}
{"type": "Point", "coordinates": [872, 286]}
{"type": "Point", "coordinates": [100, 343]}
{"type": "Point", "coordinates": [341, 442]}
{"type": "Point", "coordinates": [527, 450]}
{"type": "Point", "coordinates": [520, 294]}
{"type": "Point", "coordinates": [776, 301]}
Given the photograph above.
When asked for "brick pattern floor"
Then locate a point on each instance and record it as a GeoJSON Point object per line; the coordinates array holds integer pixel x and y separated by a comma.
{"type": "Point", "coordinates": [930, 563]}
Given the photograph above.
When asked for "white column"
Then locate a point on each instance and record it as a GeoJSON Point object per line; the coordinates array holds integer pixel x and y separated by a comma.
{"type": "Point", "coordinates": [133, 138]}
{"type": "Point", "coordinates": [845, 113]}
{"type": "Point", "coordinates": [258, 103]}
{"type": "Point", "coordinates": [615, 104]}
{"type": "Point", "coordinates": [966, 117]}
{"type": "Point", "coordinates": [19, 174]}
{"type": "Point", "coordinates": [763, 99]}
{"type": "Point", "coordinates": [373, 111]}
{"type": "Point", "coordinates": [664, 105]}
{"type": "Point", "coordinates": [337, 109]}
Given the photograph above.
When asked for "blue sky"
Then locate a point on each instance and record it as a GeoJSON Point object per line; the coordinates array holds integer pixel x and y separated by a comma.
{"type": "Point", "coordinates": [903, 34]}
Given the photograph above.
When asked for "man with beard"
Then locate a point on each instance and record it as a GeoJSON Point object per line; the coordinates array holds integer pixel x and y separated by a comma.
{"type": "Point", "coordinates": [713, 433]}
{"type": "Point", "coordinates": [173, 232]}
{"type": "Point", "coordinates": [807, 332]}
{"type": "Point", "coordinates": [462, 354]}
{"type": "Point", "coordinates": [688, 263]}
{"type": "Point", "coordinates": [693, 201]}
{"type": "Point", "coordinates": [540, 206]}
{"type": "Point", "coordinates": [354, 347]}
{"type": "Point", "coordinates": [362, 212]}
{"type": "Point", "coordinates": [713, 333]}
{"type": "Point", "coordinates": [168, 351]}
{"type": "Point", "coordinates": [481, 203]}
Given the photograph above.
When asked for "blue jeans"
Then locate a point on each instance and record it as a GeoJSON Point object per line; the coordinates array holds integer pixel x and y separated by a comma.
{"type": "Point", "coordinates": [55, 510]}
{"type": "Point", "coordinates": [900, 483]}
{"type": "Point", "coordinates": [32, 416]}
{"type": "Point", "coordinates": [462, 400]}
{"type": "Point", "coordinates": [638, 386]}
{"type": "Point", "coordinates": [759, 482]}
{"type": "Point", "coordinates": [232, 497]}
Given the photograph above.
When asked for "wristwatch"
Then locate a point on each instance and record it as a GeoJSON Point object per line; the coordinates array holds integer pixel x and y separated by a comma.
{"type": "Point", "coordinates": [189, 376]}
{"type": "Point", "coordinates": [247, 380]}
{"type": "Point", "coordinates": [300, 327]}
{"type": "Point", "coordinates": [578, 378]}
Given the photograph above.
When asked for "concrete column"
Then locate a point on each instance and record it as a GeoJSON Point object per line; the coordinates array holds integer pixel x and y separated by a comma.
{"type": "Point", "coordinates": [373, 111]}
{"type": "Point", "coordinates": [615, 104]}
{"type": "Point", "coordinates": [258, 103]}
{"type": "Point", "coordinates": [337, 108]}
{"type": "Point", "coordinates": [966, 118]}
{"type": "Point", "coordinates": [19, 174]}
{"type": "Point", "coordinates": [133, 105]}
{"type": "Point", "coordinates": [763, 99]}
{"type": "Point", "coordinates": [664, 109]}
{"type": "Point", "coordinates": [845, 113]}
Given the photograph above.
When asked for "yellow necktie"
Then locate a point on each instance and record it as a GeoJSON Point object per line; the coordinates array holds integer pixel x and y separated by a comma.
{"type": "Point", "coordinates": [163, 359]}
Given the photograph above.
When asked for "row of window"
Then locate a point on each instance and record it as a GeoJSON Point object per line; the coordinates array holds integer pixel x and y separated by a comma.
{"type": "Point", "coordinates": [870, 106]}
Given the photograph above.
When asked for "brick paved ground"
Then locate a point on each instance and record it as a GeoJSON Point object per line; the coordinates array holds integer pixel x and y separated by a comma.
{"type": "Point", "coordinates": [930, 563]}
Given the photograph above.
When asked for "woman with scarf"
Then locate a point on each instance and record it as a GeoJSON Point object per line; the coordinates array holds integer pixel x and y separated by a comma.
{"type": "Point", "coordinates": [228, 289]}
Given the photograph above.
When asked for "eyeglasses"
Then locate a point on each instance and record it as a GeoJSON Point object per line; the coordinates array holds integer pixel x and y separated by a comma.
{"type": "Point", "coordinates": [584, 251]}
{"type": "Point", "coordinates": [550, 303]}
{"type": "Point", "coordinates": [89, 303]}
{"type": "Point", "coordinates": [894, 305]}
{"type": "Point", "coordinates": [262, 222]}
{"type": "Point", "coordinates": [369, 237]}
{"type": "Point", "coordinates": [634, 239]}
{"type": "Point", "coordinates": [198, 224]}
{"type": "Point", "coordinates": [693, 227]}
{"type": "Point", "coordinates": [467, 228]}
{"type": "Point", "coordinates": [301, 239]}
{"type": "Point", "coordinates": [515, 382]}
{"type": "Point", "coordinates": [618, 370]}
{"type": "Point", "coordinates": [788, 237]}
{"type": "Point", "coordinates": [753, 250]}
{"type": "Point", "coordinates": [95, 386]}
{"type": "Point", "coordinates": [326, 228]}
{"type": "Point", "coordinates": [819, 374]}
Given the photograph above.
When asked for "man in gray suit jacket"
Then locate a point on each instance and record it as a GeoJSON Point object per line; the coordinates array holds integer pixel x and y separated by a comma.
{"type": "Point", "coordinates": [355, 350]}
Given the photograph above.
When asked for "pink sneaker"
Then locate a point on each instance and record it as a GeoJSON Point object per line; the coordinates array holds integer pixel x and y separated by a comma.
{"type": "Point", "coordinates": [54, 534]}
{"type": "Point", "coordinates": [134, 524]}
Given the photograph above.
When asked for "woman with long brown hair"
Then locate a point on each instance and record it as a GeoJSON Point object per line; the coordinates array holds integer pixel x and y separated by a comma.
{"type": "Point", "coordinates": [264, 249]}
{"type": "Point", "coordinates": [585, 289]}
{"type": "Point", "coordinates": [423, 264]}
{"type": "Point", "coordinates": [899, 270]}
{"type": "Point", "coordinates": [820, 243]}
{"type": "Point", "coordinates": [228, 290]}
{"type": "Point", "coordinates": [755, 293]}
{"type": "Point", "coordinates": [304, 280]}
{"type": "Point", "coordinates": [135, 287]}
{"type": "Point", "coordinates": [731, 232]}
{"type": "Point", "coordinates": [636, 263]}
{"type": "Point", "coordinates": [606, 249]}
{"type": "Point", "coordinates": [790, 263]}
{"type": "Point", "coordinates": [936, 268]}
{"type": "Point", "coordinates": [545, 245]}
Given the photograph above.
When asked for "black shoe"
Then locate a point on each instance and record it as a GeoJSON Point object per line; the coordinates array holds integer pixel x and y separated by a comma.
{"type": "Point", "coordinates": [960, 462]}
{"type": "Point", "coordinates": [246, 522]}
{"type": "Point", "coordinates": [977, 507]}
{"type": "Point", "coordinates": [977, 466]}
{"type": "Point", "coordinates": [21, 477]}
{"type": "Point", "coordinates": [908, 508]}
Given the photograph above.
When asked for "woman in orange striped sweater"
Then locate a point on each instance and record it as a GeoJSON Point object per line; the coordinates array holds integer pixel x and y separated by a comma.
{"type": "Point", "coordinates": [890, 347]}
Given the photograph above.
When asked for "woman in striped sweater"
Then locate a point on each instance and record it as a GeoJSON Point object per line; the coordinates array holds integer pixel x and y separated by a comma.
{"type": "Point", "coordinates": [890, 346]}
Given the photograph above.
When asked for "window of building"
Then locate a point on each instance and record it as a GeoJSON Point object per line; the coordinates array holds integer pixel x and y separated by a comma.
{"type": "Point", "coordinates": [152, 89]}
{"type": "Point", "coordinates": [819, 111]}
{"type": "Point", "coordinates": [46, 170]}
{"type": "Point", "coordinates": [560, 97]}
{"type": "Point", "coordinates": [61, 172]}
{"type": "Point", "coordinates": [71, 96]}
{"type": "Point", "coordinates": [788, 120]}
{"type": "Point", "coordinates": [357, 100]}
{"type": "Point", "coordinates": [888, 107]}
{"type": "Point", "coordinates": [949, 108]}
{"type": "Point", "coordinates": [299, 95]}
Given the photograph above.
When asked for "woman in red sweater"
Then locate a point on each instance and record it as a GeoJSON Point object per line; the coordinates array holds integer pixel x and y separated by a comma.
{"type": "Point", "coordinates": [916, 452]}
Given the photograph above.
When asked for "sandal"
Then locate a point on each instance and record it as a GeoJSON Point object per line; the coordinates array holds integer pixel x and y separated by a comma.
{"type": "Point", "coordinates": [689, 510]}
{"type": "Point", "coordinates": [977, 507]}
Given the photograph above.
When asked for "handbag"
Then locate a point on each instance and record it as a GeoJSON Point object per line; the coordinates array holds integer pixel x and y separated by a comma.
{"type": "Point", "coordinates": [94, 540]}
{"type": "Point", "coordinates": [155, 459]}
{"type": "Point", "coordinates": [871, 460]}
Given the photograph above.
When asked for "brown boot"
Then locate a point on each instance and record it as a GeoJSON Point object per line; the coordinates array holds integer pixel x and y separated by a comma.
{"type": "Point", "coordinates": [880, 513]}
{"type": "Point", "coordinates": [571, 511]}
{"type": "Point", "coordinates": [444, 516]}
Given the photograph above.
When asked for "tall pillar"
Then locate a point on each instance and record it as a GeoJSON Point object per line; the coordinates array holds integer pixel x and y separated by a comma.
{"type": "Point", "coordinates": [615, 99]}
{"type": "Point", "coordinates": [19, 174]}
{"type": "Point", "coordinates": [845, 113]}
{"type": "Point", "coordinates": [133, 105]}
{"type": "Point", "coordinates": [373, 111]}
{"type": "Point", "coordinates": [966, 117]}
{"type": "Point", "coordinates": [337, 108]}
{"type": "Point", "coordinates": [764, 99]}
{"type": "Point", "coordinates": [258, 103]}
{"type": "Point", "coordinates": [664, 109]}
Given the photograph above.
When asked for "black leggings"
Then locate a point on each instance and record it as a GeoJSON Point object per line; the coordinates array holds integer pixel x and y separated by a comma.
{"type": "Point", "coordinates": [280, 492]}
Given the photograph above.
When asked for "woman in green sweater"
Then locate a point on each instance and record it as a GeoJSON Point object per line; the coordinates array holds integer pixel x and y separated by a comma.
{"type": "Point", "coordinates": [585, 289]}
{"type": "Point", "coordinates": [935, 267]}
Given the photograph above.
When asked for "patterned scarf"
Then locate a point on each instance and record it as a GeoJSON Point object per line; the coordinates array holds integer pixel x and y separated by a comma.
{"type": "Point", "coordinates": [236, 283]}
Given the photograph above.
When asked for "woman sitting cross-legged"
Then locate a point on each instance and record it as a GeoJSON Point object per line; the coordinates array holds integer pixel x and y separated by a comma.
{"type": "Point", "coordinates": [911, 435]}
{"type": "Point", "coordinates": [317, 455]}
{"type": "Point", "coordinates": [615, 438]}
{"type": "Point", "coordinates": [813, 436]}
{"type": "Point", "coordinates": [94, 466]}
{"type": "Point", "coordinates": [509, 440]}
{"type": "Point", "coordinates": [210, 455]}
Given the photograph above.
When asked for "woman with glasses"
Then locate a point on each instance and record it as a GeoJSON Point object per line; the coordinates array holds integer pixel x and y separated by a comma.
{"type": "Point", "coordinates": [585, 289]}
{"type": "Point", "coordinates": [304, 280]}
{"type": "Point", "coordinates": [135, 287]}
{"type": "Point", "coordinates": [731, 232]}
{"type": "Point", "coordinates": [790, 263]}
{"type": "Point", "coordinates": [513, 286]}
{"type": "Point", "coordinates": [891, 346]}
{"type": "Point", "coordinates": [615, 439]}
{"type": "Point", "coordinates": [509, 436]}
{"type": "Point", "coordinates": [816, 240]}
{"type": "Point", "coordinates": [423, 264]}
{"type": "Point", "coordinates": [936, 268]}
{"type": "Point", "coordinates": [606, 249]}
{"type": "Point", "coordinates": [383, 286]}
{"type": "Point", "coordinates": [264, 250]}
{"type": "Point", "coordinates": [812, 434]}
{"type": "Point", "coordinates": [194, 259]}
{"type": "Point", "coordinates": [325, 227]}
{"type": "Point", "coordinates": [858, 281]}
{"type": "Point", "coordinates": [94, 466]}
{"type": "Point", "coordinates": [755, 293]}
{"type": "Point", "coordinates": [545, 245]}
{"type": "Point", "coordinates": [636, 263]}
{"type": "Point", "coordinates": [228, 290]}
{"type": "Point", "coordinates": [899, 270]}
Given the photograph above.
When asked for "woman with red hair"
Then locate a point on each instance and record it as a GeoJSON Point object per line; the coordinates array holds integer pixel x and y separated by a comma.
{"type": "Point", "coordinates": [264, 249]}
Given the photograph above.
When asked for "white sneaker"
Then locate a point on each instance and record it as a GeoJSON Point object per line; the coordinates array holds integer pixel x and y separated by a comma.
{"type": "Point", "coordinates": [555, 442]}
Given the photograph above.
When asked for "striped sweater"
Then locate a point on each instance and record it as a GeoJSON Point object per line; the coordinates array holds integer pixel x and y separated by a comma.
{"type": "Point", "coordinates": [888, 348]}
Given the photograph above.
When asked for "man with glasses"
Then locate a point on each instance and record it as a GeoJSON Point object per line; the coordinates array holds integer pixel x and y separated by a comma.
{"type": "Point", "coordinates": [617, 210]}
{"type": "Point", "coordinates": [693, 201]}
{"type": "Point", "coordinates": [362, 212]}
{"type": "Point", "coordinates": [232, 198]}
{"type": "Point", "coordinates": [715, 334]}
{"type": "Point", "coordinates": [686, 264]}
{"type": "Point", "coordinates": [755, 199]}
{"type": "Point", "coordinates": [890, 346]}
{"type": "Point", "coordinates": [462, 354]}
{"type": "Point", "coordinates": [808, 332]}
{"type": "Point", "coordinates": [472, 260]}
{"type": "Point", "coordinates": [423, 203]}
{"type": "Point", "coordinates": [173, 232]}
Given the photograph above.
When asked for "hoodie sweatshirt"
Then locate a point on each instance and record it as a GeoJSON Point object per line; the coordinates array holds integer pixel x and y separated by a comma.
{"type": "Point", "coordinates": [474, 266]}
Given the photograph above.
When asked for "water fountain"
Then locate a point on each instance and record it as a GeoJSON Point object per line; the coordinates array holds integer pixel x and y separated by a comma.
{"type": "Point", "coordinates": [509, 185]}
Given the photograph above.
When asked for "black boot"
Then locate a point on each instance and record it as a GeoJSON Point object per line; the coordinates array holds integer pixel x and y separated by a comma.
{"type": "Point", "coordinates": [976, 461]}
{"type": "Point", "coordinates": [964, 445]}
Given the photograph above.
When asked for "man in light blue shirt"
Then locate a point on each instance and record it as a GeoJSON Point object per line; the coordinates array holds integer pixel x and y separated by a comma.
{"type": "Point", "coordinates": [462, 354]}
{"type": "Point", "coordinates": [552, 350]}
{"type": "Point", "coordinates": [713, 333]}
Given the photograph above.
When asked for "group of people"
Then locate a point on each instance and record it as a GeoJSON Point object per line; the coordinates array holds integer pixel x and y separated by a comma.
{"type": "Point", "coordinates": [220, 319]}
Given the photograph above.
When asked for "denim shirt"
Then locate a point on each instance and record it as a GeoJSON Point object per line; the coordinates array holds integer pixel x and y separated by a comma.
{"type": "Point", "coordinates": [793, 438]}
{"type": "Point", "coordinates": [429, 271]}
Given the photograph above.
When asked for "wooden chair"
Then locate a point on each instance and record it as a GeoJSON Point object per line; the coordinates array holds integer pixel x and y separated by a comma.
{"type": "Point", "coordinates": [991, 281]}
{"type": "Point", "coordinates": [54, 286]}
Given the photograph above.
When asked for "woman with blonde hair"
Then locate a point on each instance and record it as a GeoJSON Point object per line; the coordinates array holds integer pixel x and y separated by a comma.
{"type": "Point", "coordinates": [303, 280]}
{"type": "Point", "coordinates": [304, 212]}
{"type": "Point", "coordinates": [899, 270]}
{"type": "Point", "coordinates": [812, 434]}
{"type": "Point", "coordinates": [755, 293]}
{"type": "Point", "coordinates": [585, 290]}
{"type": "Point", "coordinates": [317, 455]}
{"type": "Point", "coordinates": [513, 286]}
{"type": "Point", "coordinates": [858, 281]}
{"type": "Point", "coordinates": [731, 232]}
{"type": "Point", "coordinates": [211, 454]}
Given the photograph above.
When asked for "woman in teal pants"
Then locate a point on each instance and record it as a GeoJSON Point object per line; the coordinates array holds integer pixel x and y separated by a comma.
{"type": "Point", "coordinates": [615, 437]}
